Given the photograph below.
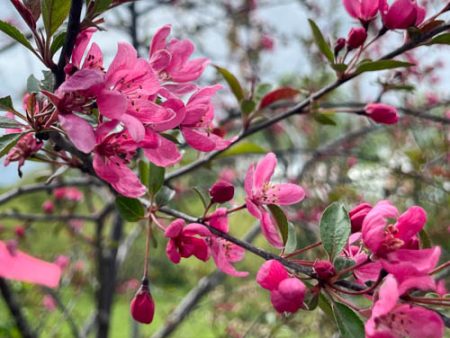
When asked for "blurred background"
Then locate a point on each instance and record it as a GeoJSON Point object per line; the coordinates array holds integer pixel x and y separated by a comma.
{"type": "Point", "coordinates": [335, 156]}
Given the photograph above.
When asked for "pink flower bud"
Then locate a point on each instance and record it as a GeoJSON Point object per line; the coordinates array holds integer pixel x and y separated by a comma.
{"type": "Point", "coordinates": [49, 303]}
{"type": "Point", "coordinates": [356, 37]}
{"type": "Point", "coordinates": [142, 306]}
{"type": "Point", "coordinates": [62, 261]}
{"type": "Point", "coordinates": [267, 42]}
{"type": "Point", "coordinates": [324, 269]}
{"type": "Point", "coordinates": [382, 113]}
{"type": "Point", "coordinates": [364, 10]}
{"type": "Point", "coordinates": [402, 14]}
{"type": "Point", "coordinates": [289, 296]}
{"type": "Point", "coordinates": [20, 231]}
{"type": "Point", "coordinates": [221, 192]}
{"type": "Point", "coordinates": [339, 45]}
{"type": "Point", "coordinates": [357, 215]}
{"type": "Point", "coordinates": [48, 207]}
{"type": "Point", "coordinates": [271, 274]}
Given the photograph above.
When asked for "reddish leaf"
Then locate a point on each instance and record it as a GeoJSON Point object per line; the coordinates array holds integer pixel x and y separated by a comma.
{"type": "Point", "coordinates": [277, 95]}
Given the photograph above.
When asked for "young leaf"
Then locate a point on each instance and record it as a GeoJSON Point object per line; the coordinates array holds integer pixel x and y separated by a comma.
{"type": "Point", "coordinates": [320, 41]}
{"type": "Point", "coordinates": [261, 90]}
{"type": "Point", "coordinates": [443, 39]}
{"type": "Point", "coordinates": [6, 103]}
{"type": "Point", "coordinates": [32, 84]}
{"type": "Point", "coordinates": [15, 34]}
{"type": "Point", "coordinates": [8, 141]}
{"type": "Point", "coordinates": [334, 229]}
{"type": "Point", "coordinates": [54, 12]}
{"type": "Point", "coordinates": [101, 5]}
{"type": "Point", "coordinates": [243, 148]}
{"type": "Point", "coordinates": [247, 106]}
{"type": "Point", "coordinates": [200, 195]}
{"type": "Point", "coordinates": [155, 179]}
{"type": "Point", "coordinates": [281, 220]}
{"type": "Point", "coordinates": [278, 95]}
{"type": "Point", "coordinates": [324, 119]}
{"type": "Point", "coordinates": [131, 209]}
{"type": "Point", "coordinates": [9, 123]}
{"type": "Point", "coordinates": [348, 322]}
{"type": "Point", "coordinates": [232, 82]}
{"type": "Point", "coordinates": [144, 172]}
{"type": "Point", "coordinates": [373, 66]}
{"type": "Point", "coordinates": [57, 42]}
{"type": "Point", "coordinates": [291, 243]}
{"type": "Point", "coordinates": [164, 196]}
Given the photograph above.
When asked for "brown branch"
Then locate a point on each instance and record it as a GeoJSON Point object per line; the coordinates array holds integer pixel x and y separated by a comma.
{"type": "Point", "coordinates": [301, 108]}
{"type": "Point", "coordinates": [16, 310]}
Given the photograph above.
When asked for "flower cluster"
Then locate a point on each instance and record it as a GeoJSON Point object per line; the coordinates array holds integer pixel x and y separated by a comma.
{"type": "Point", "coordinates": [135, 103]}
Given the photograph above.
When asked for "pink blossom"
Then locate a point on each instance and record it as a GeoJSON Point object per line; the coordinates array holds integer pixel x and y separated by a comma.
{"type": "Point", "coordinates": [260, 192]}
{"type": "Point", "coordinates": [27, 146]}
{"type": "Point", "coordinates": [364, 10]}
{"type": "Point", "coordinates": [197, 125]}
{"type": "Point", "coordinates": [396, 244]}
{"type": "Point", "coordinates": [111, 155]}
{"type": "Point", "coordinates": [402, 14]}
{"type": "Point", "coordinates": [224, 252]}
{"type": "Point", "coordinates": [22, 267]}
{"type": "Point", "coordinates": [267, 42]}
{"type": "Point", "coordinates": [382, 113]}
{"type": "Point", "coordinates": [170, 60]}
{"type": "Point", "coordinates": [185, 241]}
{"type": "Point", "coordinates": [391, 319]}
{"type": "Point", "coordinates": [357, 215]}
{"type": "Point", "coordinates": [324, 269]}
{"type": "Point", "coordinates": [62, 261]}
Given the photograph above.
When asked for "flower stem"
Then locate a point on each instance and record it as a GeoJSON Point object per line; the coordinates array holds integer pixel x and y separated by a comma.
{"type": "Point", "coordinates": [306, 248]}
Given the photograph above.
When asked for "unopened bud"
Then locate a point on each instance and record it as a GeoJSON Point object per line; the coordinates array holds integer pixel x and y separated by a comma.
{"type": "Point", "coordinates": [382, 113]}
{"type": "Point", "coordinates": [339, 45]}
{"type": "Point", "coordinates": [221, 192]}
{"type": "Point", "coordinates": [142, 306]}
{"type": "Point", "coordinates": [324, 269]}
{"type": "Point", "coordinates": [356, 37]}
{"type": "Point", "coordinates": [20, 231]}
{"type": "Point", "coordinates": [48, 207]}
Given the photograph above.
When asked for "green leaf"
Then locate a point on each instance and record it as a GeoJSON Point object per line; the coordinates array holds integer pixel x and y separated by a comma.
{"type": "Point", "coordinates": [281, 220]}
{"type": "Point", "coordinates": [57, 42]}
{"type": "Point", "coordinates": [324, 47]}
{"type": "Point", "coordinates": [232, 82]}
{"type": "Point", "coordinates": [247, 106]}
{"type": "Point", "coordinates": [15, 34]}
{"type": "Point", "coordinates": [334, 229]}
{"type": "Point", "coordinates": [261, 90]}
{"type": "Point", "coordinates": [243, 148]}
{"type": "Point", "coordinates": [131, 209]}
{"type": "Point", "coordinates": [443, 39]}
{"type": "Point", "coordinates": [8, 141]}
{"type": "Point", "coordinates": [325, 305]}
{"type": "Point", "coordinates": [425, 239]}
{"type": "Point", "coordinates": [339, 67]}
{"type": "Point", "coordinates": [373, 66]}
{"type": "Point", "coordinates": [54, 12]}
{"type": "Point", "coordinates": [32, 84]}
{"type": "Point", "coordinates": [348, 322]}
{"type": "Point", "coordinates": [6, 104]}
{"type": "Point", "coordinates": [291, 243]}
{"type": "Point", "coordinates": [324, 119]}
{"type": "Point", "coordinates": [101, 5]}
{"type": "Point", "coordinates": [164, 196]}
{"type": "Point", "coordinates": [155, 179]}
{"type": "Point", "coordinates": [200, 195]}
{"type": "Point", "coordinates": [48, 83]}
{"type": "Point", "coordinates": [341, 263]}
{"type": "Point", "coordinates": [6, 122]}
{"type": "Point", "coordinates": [144, 172]}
